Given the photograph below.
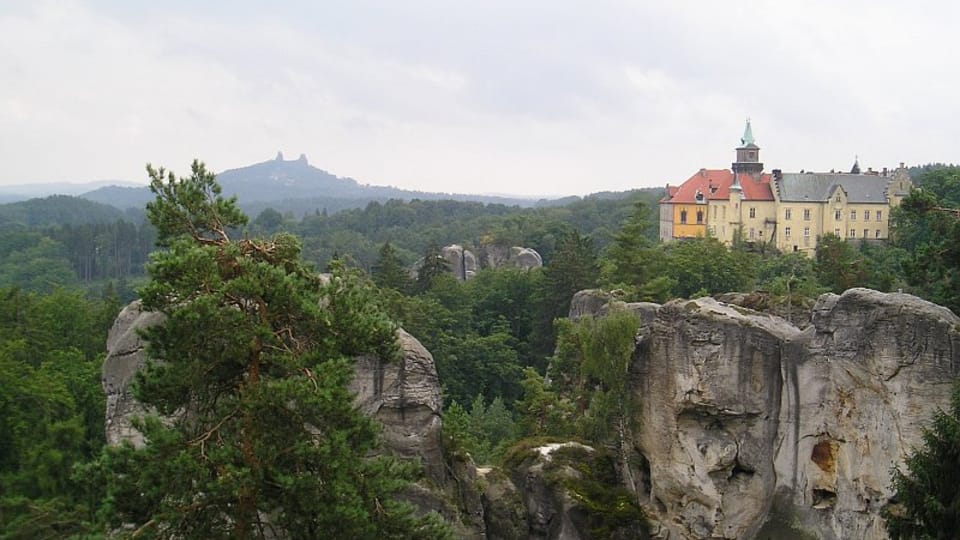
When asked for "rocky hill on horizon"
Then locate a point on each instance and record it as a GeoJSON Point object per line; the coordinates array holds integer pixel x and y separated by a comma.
{"type": "Point", "coordinates": [295, 186]}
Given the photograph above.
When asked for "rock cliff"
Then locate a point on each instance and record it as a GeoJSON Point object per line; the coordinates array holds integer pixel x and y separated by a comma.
{"type": "Point", "coordinates": [404, 395]}
{"type": "Point", "coordinates": [748, 422]}
{"type": "Point", "coordinates": [464, 263]}
{"type": "Point", "coordinates": [747, 426]}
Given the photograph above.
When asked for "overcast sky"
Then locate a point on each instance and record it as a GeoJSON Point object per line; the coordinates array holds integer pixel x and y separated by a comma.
{"type": "Point", "coordinates": [520, 97]}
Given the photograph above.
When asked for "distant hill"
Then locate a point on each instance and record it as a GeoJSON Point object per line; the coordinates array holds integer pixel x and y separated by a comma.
{"type": "Point", "coordinates": [294, 186]}
{"type": "Point", "coordinates": [22, 192]}
{"type": "Point", "coordinates": [120, 196]}
{"type": "Point", "coordinates": [57, 210]}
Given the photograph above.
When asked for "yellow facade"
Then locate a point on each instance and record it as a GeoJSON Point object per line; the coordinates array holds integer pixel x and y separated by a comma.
{"type": "Point", "coordinates": [689, 220]}
{"type": "Point", "coordinates": [753, 220]}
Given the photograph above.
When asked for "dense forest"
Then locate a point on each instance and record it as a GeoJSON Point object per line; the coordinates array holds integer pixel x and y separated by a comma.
{"type": "Point", "coordinates": [511, 366]}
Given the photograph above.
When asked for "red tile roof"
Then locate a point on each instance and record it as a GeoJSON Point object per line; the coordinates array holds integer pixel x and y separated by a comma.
{"type": "Point", "coordinates": [715, 184]}
{"type": "Point", "coordinates": [671, 191]}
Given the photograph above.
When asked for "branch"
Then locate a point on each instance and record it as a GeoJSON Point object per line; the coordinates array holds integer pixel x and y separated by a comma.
{"type": "Point", "coordinates": [202, 438]}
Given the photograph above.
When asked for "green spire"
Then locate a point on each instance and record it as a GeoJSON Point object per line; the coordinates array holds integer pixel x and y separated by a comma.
{"type": "Point", "coordinates": [747, 138]}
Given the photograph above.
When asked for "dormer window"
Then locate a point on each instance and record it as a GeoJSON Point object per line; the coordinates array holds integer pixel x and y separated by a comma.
{"type": "Point", "coordinates": [699, 196]}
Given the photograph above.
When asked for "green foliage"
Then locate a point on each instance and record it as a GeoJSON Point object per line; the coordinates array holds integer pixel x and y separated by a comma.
{"type": "Point", "coordinates": [839, 265]}
{"type": "Point", "coordinates": [269, 221]}
{"type": "Point", "coordinates": [190, 207]}
{"type": "Point", "coordinates": [40, 265]}
{"type": "Point", "coordinates": [484, 431]}
{"type": "Point", "coordinates": [606, 509]}
{"type": "Point", "coordinates": [57, 210]}
{"type": "Point", "coordinates": [930, 240]}
{"type": "Point", "coordinates": [927, 500]}
{"type": "Point", "coordinates": [704, 266]}
{"type": "Point", "coordinates": [591, 365]}
{"type": "Point", "coordinates": [252, 361]}
{"type": "Point", "coordinates": [943, 182]}
{"type": "Point", "coordinates": [542, 410]}
{"type": "Point", "coordinates": [572, 268]}
{"type": "Point", "coordinates": [51, 409]}
{"type": "Point", "coordinates": [631, 262]}
{"type": "Point", "coordinates": [432, 267]}
{"type": "Point", "coordinates": [611, 509]}
{"type": "Point", "coordinates": [389, 271]}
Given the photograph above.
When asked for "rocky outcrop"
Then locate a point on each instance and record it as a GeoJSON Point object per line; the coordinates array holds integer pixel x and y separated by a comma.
{"type": "Point", "coordinates": [404, 395]}
{"type": "Point", "coordinates": [497, 256]}
{"type": "Point", "coordinates": [126, 354]}
{"type": "Point", "coordinates": [746, 426]}
{"type": "Point", "coordinates": [461, 261]}
{"type": "Point", "coordinates": [559, 491]}
{"type": "Point", "coordinates": [747, 423]}
{"type": "Point", "coordinates": [464, 263]}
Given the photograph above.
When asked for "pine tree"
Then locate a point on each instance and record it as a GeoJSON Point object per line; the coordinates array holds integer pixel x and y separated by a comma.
{"type": "Point", "coordinates": [433, 265]}
{"type": "Point", "coordinates": [928, 492]}
{"type": "Point", "coordinates": [259, 437]}
{"type": "Point", "coordinates": [389, 271]}
{"type": "Point", "coordinates": [631, 259]}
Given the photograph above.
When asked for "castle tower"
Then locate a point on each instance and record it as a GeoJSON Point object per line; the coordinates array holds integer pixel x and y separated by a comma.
{"type": "Point", "coordinates": [748, 155]}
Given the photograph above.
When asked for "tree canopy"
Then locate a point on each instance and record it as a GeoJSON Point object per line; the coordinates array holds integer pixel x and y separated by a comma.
{"type": "Point", "coordinates": [258, 434]}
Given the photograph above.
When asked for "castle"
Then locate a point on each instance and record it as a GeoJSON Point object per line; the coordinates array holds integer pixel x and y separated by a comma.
{"type": "Point", "coordinates": [786, 210]}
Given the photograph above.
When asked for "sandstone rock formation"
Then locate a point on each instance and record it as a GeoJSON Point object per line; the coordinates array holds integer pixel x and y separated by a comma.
{"type": "Point", "coordinates": [558, 491]}
{"type": "Point", "coordinates": [404, 395]}
{"type": "Point", "coordinates": [462, 262]}
{"type": "Point", "coordinates": [125, 356]}
{"type": "Point", "coordinates": [746, 421]}
{"type": "Point", "coordinates": [495, 256]}
{"type": "Point", "coordinates": [747, 426]}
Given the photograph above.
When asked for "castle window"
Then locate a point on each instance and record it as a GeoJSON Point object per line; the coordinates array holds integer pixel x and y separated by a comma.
{"type": "Point", "coordinates": [866, 215]}
{"type": "Point", "coordinates": [753, 212]}
{"type": "Point", "coordinates": [752, 233]}
{"type": "Point", "coordinates": [836, 216]}
{"type": "Point", "coordinates": [878, 234]}
{"type": "Point", "coordinates": [786, 232]}
{"type": "Point", "coordinates": [787, 213]}
{"type": "Point", "coordinates": [683, 216]}
{"type": "Point", "coordinates": [699, 217]}
{"type": "Point", "coordinates": [866, 233]}
{"type": "Point", "coordinates": [836, 232]}
{"type": "Point", "coordinates": [806, 214]}
{"type": "Point", "coordinates": [879, 214]}
{"type": "Point", "coordinates": [853, 215]}
{"type": "Point", "coordinates": [806, 232]}
{"type": "Point", "coordinates": [853, 233]}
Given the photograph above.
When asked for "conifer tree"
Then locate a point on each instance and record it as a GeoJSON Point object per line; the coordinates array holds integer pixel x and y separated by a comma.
{"type": "Point", "coordinates": [927, 500]}
{"type": "Point", "coordinates": [630, 258]}
{"type": "Point", "coordinates": [433, 266]}
{"type": "Point", "coordinates": [389, 271]}
{"type": "Point", "coordinates": [258, 436]}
